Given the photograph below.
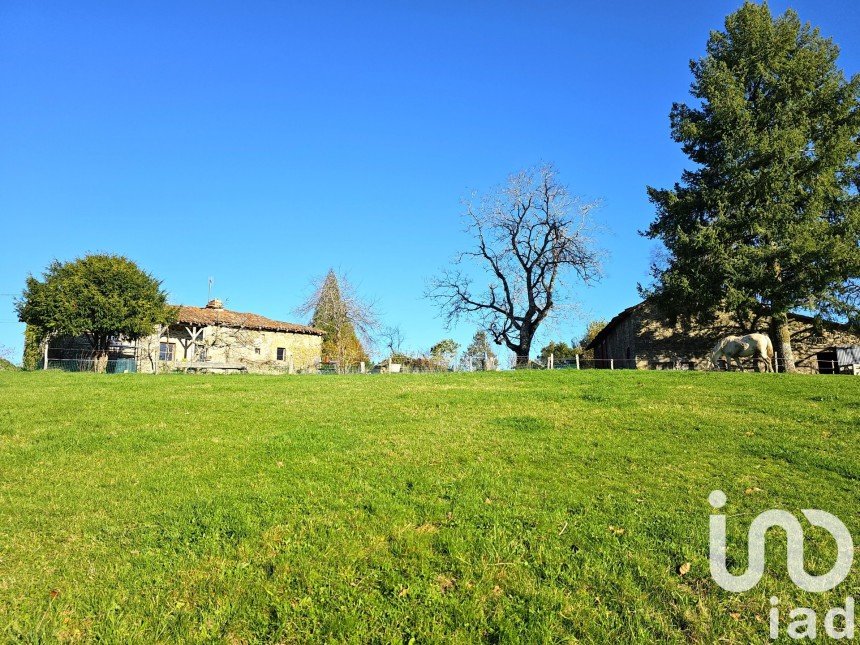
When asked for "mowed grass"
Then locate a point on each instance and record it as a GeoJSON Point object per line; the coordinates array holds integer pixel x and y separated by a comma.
{"type": "Point", "coordinates": [504, 507]}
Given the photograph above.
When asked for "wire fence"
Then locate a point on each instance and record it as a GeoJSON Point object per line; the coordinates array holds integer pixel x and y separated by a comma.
{"type": "Point", "coordinates": [577, 362]}
{"type": "Point", "coordinates": [123, 361]}
{"type": "Point", "coordinates": [110, 366]}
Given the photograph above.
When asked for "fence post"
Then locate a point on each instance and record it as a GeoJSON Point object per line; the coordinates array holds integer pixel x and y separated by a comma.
{"type": "Point", "coordinates": [551, 361]}
{"type": "Point", "coordinates": [45, 357]}
{"type": "Point", "coordinates": [612, 363]}
{"type": "Point", "coordinates": [577, 361]}
{"type": "Point", "coordinates": [362, 368]}
{"type": "Point", "coordinates": [775, 362]}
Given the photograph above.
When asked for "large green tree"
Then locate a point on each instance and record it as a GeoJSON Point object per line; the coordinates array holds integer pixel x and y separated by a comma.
{"type": "Point", "coordinates": [101, 297]}
{"type": "Point", "coordinates": [767, 219]}
{"type": "Point", "coordinates": [592, 328]}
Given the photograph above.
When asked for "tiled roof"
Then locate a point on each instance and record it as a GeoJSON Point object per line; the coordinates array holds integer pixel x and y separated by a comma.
{"type": "Point", "coordinates": [236, 319]}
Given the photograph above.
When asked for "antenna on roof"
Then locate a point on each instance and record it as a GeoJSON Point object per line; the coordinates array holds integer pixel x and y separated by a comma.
{"type": "Point", "coordinates": [211, 282]}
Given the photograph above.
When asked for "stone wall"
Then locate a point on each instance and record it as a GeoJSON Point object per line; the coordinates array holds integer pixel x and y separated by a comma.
{"type": "Point", "coordinates": [257, 349]}
{"type": "Point", "coordinates": [621, 345]}
{"type": "Point", "coordinates": [655, 344]}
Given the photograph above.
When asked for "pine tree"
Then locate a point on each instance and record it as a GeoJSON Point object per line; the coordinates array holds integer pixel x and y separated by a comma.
{"type": "Point", "coordinates": [768, 221]}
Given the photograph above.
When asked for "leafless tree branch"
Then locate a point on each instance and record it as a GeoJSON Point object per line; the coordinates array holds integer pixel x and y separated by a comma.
{"type": "Point", "coordinates": [530, 237]}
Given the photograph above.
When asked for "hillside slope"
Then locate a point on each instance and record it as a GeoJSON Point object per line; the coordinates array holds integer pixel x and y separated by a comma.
{"type": "Point", "coordinates": [498, 506]}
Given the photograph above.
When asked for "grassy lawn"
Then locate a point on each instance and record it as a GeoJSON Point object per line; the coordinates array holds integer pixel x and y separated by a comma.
{"type": "Point", "coordinates": [541, 506]}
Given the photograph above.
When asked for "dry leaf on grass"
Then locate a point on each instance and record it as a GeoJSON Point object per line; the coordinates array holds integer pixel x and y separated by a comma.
{"type": "Point", "coordinates": [445, 583]}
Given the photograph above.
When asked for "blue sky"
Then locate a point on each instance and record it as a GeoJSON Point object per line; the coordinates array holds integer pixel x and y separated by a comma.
{"type": "Point", "coordinates": [261, 143]}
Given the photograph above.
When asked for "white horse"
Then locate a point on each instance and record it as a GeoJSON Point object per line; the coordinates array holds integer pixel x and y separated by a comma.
{"type": "Point", "coordinates": [736, 347]}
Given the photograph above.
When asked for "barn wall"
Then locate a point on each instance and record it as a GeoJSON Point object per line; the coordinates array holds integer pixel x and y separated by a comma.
{"type": "Point", "coordinates": [661, 346]}
{"type": "Point", "coordinates": [657, 345]}
{"type": "Point", "coordinates": [619, 345]}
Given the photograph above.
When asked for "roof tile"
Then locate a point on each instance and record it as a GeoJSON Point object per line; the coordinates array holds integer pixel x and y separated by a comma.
{"type": "Point", "coordinates": [237, 319]}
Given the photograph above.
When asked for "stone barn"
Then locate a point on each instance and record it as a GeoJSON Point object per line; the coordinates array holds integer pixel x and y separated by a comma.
{"type": "Point", "coordinates": [640, 338]}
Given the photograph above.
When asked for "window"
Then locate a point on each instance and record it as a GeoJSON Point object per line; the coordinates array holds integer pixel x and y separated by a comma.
{"type": "Point", "coordinates": [256, 350]}
{"type": "Point", "coordinates": [166, 351]}
{"type": "Point", "coordinates": [282, 353]}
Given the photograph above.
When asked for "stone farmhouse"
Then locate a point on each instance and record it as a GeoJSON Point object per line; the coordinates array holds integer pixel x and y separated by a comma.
{"type": "Point", "coordinates": [639, 338]}
{"type": "Point", "coordinates": [209, 338]}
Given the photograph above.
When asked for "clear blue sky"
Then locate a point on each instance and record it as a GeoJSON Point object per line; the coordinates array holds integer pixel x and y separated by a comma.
{"type": "Point", "coordinates": [261, 143]}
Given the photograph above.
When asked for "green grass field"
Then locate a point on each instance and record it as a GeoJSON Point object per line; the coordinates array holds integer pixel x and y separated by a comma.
{"type": "Point", "coordinates": [503, 507]}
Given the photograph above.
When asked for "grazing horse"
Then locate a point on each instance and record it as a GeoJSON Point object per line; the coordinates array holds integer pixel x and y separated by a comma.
{"type": "Point", "coordinates": [735, 347]}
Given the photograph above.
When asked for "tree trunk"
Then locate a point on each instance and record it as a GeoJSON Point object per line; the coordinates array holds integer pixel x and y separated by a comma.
{"type": "Point", "coordinates": [522, 354]}
{"type": "Point", "coordinates": [783, 342]}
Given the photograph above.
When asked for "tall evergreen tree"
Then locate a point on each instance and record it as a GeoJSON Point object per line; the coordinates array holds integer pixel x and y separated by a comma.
{"type": "Point", "coordinates": [338, 314]}
{"type": "Point", "coordinates": [768, 220]}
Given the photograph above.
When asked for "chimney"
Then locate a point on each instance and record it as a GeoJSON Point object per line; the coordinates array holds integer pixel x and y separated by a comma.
{"type": "Point", "coordinates": [215, 304]}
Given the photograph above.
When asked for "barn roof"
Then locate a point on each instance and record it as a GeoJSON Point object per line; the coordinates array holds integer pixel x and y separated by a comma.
{"type": "Point", "coordinates": [210, 315]}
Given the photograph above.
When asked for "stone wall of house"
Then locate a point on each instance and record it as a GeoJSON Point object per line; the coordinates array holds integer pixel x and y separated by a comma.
{"type": "Point", "coordinates": [257, 349]}
{"type": "Point", "coordinates": [657, 345]}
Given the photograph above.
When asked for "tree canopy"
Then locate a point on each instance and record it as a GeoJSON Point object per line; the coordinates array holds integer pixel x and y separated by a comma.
{"type": "Point", "coordinates": [479, 354]}
{"type": "Point", "coordinates": [560, 351]}
{"type": "Point", "coordinates": [444, 353]}
{"type": "Point", "coordinates": [101, 297]}
{"type": "Point", "coordinates": [767, 220]}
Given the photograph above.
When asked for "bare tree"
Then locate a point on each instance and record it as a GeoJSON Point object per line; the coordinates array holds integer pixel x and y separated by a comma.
{"type": "Point", "coordinates": [530, 235]}
{"type": "Point", "coordinates": [149, 346]}
{"type": "Point", "coordinates": [392, 338]}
